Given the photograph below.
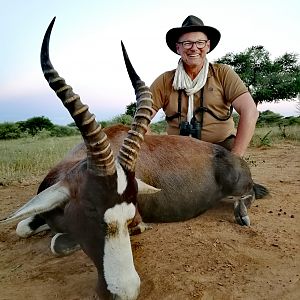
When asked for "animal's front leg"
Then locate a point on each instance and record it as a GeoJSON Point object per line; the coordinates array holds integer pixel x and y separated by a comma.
{"type": "Point", "coordinates": [137, 225]}
{"type": "Point", "coordinates": [63, 244]}
{"type": "Point", "coordinates": [240, 209]}
{"type": "Point", "coordinates": [31, 226]}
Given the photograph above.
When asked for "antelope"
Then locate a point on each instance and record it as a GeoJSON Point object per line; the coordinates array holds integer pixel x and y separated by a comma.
{"type": "Point", "coordinates": [90, 197]}
{"type": "Point", "coordinates": [101, 190]}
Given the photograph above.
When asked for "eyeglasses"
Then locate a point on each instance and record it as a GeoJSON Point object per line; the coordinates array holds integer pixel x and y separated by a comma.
{"type": "Point", "coordinates": [189, 44]}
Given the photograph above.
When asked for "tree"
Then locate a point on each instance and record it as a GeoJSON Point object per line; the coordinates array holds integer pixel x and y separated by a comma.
{"type": "Point", "coordinates": [9, 130]}
{"type": "Point", "coordinates": [266, 80]}
{"type": "Point", "coordinates": [35, 124]}
{"type": "Point", "coordinates": [268, 117]}
{"type": "Point", "coordinates": [122, 119]}
{"type": "Point", "coordinates": [130, 109]}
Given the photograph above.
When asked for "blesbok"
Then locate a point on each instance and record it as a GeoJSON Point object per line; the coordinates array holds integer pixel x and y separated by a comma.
{"type": "Point", "coordinates": [89, 197]}
{"type": "Point", "coordinates": [102, 189]}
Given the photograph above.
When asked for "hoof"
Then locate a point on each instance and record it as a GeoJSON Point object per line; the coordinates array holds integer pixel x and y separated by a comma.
{"type": "Point", "coordinates": [62, 244]}
{"type": "Point", "coordinates": [245, 221]}
{"type": "Point", "coordinates": [241, 214]}
{"type": "Point", "coordinates": [141, 227]}
{"type": "Point", "coordinates": [26, 228]}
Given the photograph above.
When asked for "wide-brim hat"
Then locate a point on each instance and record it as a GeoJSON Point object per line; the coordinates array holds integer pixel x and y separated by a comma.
{"type": "Point", "coordinates": [192, 24]}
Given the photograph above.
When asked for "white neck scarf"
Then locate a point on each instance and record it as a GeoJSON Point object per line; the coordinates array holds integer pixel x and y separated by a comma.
{"type": "Point", "coordinates": [182, 81]}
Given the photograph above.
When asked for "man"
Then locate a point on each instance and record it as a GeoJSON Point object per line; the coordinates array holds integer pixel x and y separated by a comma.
{"type": "Point", "coordinates": [197, 97]}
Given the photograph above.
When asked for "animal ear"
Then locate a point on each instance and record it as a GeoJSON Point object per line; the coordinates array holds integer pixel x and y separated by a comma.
{"type": "Point", "coordinates": [144, 188]}
{"type": "Point", "coordinates": [48, 199]}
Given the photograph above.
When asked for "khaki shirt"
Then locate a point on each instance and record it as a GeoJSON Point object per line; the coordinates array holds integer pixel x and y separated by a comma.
{"type": "Point", "coordinates": [222, 87]}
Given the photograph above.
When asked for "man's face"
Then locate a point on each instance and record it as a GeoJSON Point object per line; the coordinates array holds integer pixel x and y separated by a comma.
{"type": "Point", "coordinates": [194, 56]}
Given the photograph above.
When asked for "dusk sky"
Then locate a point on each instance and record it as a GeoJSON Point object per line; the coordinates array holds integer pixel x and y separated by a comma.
{"type": "Point", "coordinates": [85, 47]}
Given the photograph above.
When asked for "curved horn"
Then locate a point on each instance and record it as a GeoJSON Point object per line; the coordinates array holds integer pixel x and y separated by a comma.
{"type": "Point", "coordinates": [54, 196]}
{"type": "Point", "coordinates": [129, 150]}
{"type": "Point", "coordinates": [100, 156]}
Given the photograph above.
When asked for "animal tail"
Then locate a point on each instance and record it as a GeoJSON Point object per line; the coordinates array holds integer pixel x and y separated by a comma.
{"type": "Point", "coordinates": [260, 191]}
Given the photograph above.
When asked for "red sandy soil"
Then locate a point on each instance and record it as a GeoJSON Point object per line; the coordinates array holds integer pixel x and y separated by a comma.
{"type": "Point", "coordinates": [209, 257]}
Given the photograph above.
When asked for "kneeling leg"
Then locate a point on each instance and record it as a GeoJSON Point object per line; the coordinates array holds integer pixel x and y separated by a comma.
{"type": "Point", "coordinates": [63, 244]}
{"type": "Point", "coordinates": [31, 226]}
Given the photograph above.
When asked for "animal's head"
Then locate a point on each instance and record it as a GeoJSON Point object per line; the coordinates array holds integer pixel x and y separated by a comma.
{"type": "Point", "coordinates": [99, 193]}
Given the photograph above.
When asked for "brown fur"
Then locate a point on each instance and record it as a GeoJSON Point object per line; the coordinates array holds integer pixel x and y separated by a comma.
{"type": "Point", "coordinates": [192, 175]}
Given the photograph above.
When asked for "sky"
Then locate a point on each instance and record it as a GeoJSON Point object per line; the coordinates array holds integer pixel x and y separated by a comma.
{"type": "Point", "coordinates": [85, 47]}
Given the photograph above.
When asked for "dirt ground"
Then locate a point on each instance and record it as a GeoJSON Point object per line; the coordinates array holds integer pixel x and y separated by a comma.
{"type": "Point", "coordinates": [209, 257]}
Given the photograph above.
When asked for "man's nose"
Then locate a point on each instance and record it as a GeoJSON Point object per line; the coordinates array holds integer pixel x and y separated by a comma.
{"type": "Point", "coordinates": [194, 47]}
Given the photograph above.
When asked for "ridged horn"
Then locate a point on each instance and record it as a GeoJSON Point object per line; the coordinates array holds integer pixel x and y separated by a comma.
{"type": "Point", "coordinates": [128, 153]}
{"type": "Point", "coordinates": [99, 154]}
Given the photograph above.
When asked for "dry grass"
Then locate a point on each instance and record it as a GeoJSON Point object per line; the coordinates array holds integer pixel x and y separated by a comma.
{"type": "Point", "coordinates": [267, 136]}
{"type": "Point", "coordinates": [29, 158]}
{"type": "Point", "coordinates": [26, 160]}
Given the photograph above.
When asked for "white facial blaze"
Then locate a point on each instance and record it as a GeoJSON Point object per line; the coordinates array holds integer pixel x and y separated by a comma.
{"type": "Point", "coordinates": [119, 271]}
{"type": "Point", "coordinates": [122, 179]}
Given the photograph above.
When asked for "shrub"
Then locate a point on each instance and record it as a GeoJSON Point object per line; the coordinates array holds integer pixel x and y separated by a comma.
{"type": "Point", "coordinates": [60, 131]}
{"type": "Point", "coordinates": [159, 127]}
{"type": "Point", "coordinates": [35, 124]}
{"type": "Point", "coordinates": [9, 131]}
{"type": "Point", "coordinates": [123, 119]}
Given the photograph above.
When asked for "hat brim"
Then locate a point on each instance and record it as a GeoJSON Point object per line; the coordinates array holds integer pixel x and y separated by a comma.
{"type": "Point", "coordinates": [173, 35]}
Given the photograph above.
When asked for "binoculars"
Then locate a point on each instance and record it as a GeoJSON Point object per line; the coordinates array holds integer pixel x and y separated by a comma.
{"type": "Point", "coordinates": [190, 129]}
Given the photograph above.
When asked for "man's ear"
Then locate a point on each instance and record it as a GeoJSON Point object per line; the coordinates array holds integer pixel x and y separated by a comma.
{"type": "Point", "coordinates": [208, 46]}
{"type": "Point", "coordinates": [177, 49]}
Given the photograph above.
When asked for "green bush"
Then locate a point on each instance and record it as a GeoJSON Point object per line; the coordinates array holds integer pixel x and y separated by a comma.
{"type": "Point", "coordinates": [9, 131]}
{"type": "Point", "coordinates": [123, 119]}
{"type": "Point", "coordinates": [288, 121]}
{"type": "Point", "coordinates": [60, 131]}
{"type": "Point", "coordinates": [35, 124]}
{"type": "Point", "coordinates": [24, 129]}
{"type": "Point", "coordinates": [268, 118]}
{"type": "Point", "coordinates": [159, 127]}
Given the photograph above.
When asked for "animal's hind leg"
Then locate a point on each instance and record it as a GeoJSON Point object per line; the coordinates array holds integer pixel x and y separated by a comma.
{"type": "Point", "coordinates": [240, 209]}
{"type": "Point", "coordinates": [31, 226]}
